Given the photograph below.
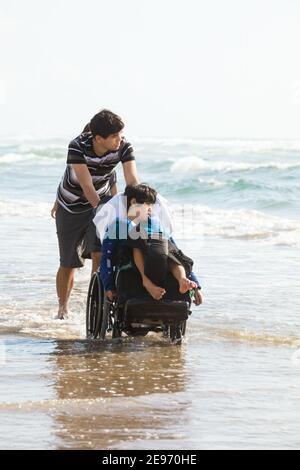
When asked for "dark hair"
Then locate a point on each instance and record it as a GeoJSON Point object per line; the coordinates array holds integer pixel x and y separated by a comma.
{"type": "Point", "coordinates": [105, 123]}
{"type": "Point", "coordinates": [141, 192]}
{"type": "Point", "coordinates": [86, 128]}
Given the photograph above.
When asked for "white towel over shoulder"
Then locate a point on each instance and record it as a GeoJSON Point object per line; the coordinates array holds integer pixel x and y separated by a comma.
{"type": "Point", "coordinates": [116, 208]}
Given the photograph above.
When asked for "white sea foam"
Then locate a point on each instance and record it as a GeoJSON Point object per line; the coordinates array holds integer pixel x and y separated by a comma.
{"type": "Point", "coordinates": [24, 208]}
{"type": "Point", "coordinates": [232, 145]}
{"type": "Point", "coordinates": [27, 148]}
{"type": "Point", "coordinates": [212, 182]}
{"type": "Point", "coordinates": [193, 164]}
{"type": "Point", "coordinates": [17, 157]}
{"type": "Point", "coordinates": [24, 158]}
{"type": "Point", "coordinates": [41, 322]}
{"type": "Point", "coordinates": [194, 221]}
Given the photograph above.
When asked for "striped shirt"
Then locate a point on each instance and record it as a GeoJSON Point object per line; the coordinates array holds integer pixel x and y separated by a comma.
{"type": "Point", "coordinates": [102, 169]}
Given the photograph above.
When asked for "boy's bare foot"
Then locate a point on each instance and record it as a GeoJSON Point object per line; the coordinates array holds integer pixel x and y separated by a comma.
{"type": "Point", "coordinates": [62, 313]}
{"type": "Point", "coordinates": [155, 291]}
{"type": "Point", "coordinates": [185, 285]}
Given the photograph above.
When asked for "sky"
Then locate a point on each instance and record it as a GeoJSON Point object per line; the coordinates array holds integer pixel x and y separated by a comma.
{"type": "Point", "coordinates": [170, 68]}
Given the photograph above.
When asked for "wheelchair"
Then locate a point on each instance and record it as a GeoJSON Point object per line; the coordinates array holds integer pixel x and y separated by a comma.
{"type": "Point", "coordinates": [132, 314]}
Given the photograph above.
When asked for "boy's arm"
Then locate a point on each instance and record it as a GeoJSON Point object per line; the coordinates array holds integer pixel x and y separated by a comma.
{"type": "Point", "coordinates": [76, 159]}
{"type": "Point", "coordinates": [113, 184]}
{"type": "Point", "coordinates": [128, 160]}
{"type": "Point", "coordinates": [130, 173]}
{"type": "Point", "coordinates": [85, 180]}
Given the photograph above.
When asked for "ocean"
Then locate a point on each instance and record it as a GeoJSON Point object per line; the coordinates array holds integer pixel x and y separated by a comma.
{"type": "Point", "coordinates": [235, 381]}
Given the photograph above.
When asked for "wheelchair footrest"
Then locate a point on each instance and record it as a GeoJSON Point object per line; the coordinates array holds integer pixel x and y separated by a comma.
{"type": "Point", "coordinates": [149, 312]}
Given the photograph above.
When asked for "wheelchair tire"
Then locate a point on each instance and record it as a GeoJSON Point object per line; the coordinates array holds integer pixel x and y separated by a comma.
{"type": "Point", "coordinates": [103, 319]}
{"type": "Point", "coordinates": [116, 332]}
{"type": "Point", "coordinates": [176, 332]}
{"type": "Point", "coordinates": [183, 328]}
{"type": "Point", "coordinates": [94, 307]}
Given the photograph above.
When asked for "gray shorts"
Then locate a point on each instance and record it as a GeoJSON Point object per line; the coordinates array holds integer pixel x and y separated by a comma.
{"type": "Point", "coordinates": [77, 237]}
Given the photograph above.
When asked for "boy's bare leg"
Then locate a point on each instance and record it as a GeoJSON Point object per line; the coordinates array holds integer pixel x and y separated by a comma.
{"type": "Point", "coordinates": [179, 273]}
{"type": "Point", "coordinates": [155, 291]}
{"type": "Point", "coordinates": [64, 286]}
{"type": "Point", "coordinates": [96, 258]}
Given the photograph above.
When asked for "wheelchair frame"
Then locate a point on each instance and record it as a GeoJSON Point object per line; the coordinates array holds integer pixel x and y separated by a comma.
{"type": "Point", "coordinates": [136, 317]}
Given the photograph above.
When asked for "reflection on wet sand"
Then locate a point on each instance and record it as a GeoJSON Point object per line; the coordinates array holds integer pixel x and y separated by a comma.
{"type": "Point", "coordinates": [104, 388]}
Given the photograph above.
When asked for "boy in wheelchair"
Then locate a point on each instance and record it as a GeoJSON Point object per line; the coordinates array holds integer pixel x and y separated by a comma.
{"type": "Point", "coordinates": [146, 262]}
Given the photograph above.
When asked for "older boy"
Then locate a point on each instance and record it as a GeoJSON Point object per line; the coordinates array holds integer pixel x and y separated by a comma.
{"type": "Point", "coordinates": [92, 158]}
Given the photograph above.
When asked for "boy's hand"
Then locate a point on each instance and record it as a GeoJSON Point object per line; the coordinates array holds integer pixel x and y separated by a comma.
{"type": "Point", "coordinates": [96, 209]}
{"type": "Point", "coordinates": [111, 295]}
{"type": "Point", "coordinates": [54, 209]}
{"type": "Point", "coordinates": [198, 297]}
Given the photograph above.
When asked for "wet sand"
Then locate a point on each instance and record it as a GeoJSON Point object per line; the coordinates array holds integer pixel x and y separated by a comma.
{"type": "Point", "coordinates": [212, 392]}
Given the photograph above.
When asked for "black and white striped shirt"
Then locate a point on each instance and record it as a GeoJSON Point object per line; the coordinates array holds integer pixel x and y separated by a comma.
{"type": "Point", "coordinates": [102, 169]}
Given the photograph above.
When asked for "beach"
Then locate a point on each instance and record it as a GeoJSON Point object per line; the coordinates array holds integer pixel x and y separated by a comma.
{"type": "Point", "coordinates": [235, 381]}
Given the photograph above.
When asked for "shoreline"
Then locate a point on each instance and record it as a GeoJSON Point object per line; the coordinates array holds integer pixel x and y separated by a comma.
{"type": "Point", "coordinates": [69, 394]}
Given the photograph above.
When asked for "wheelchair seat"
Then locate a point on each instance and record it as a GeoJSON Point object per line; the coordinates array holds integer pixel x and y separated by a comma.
{"type": "Point", "coordinates": [155, 312]}
{"type": "Point", "coordinates": [135, 312]}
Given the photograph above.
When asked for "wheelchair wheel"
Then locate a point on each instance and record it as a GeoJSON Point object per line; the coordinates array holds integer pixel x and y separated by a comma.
{"type": "Point", "coordinates": [103, 320]}
{"type": "Point", "coordinates": [176, 332]}
{"type": "Point", "coordinates": [183, 328]}
{"type": "Point", "coordinates": [95, 308]}
{"type": "Point", "coordinates": [116, 331]}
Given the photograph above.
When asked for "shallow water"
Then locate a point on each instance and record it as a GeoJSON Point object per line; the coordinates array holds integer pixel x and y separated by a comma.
{"type": "Point", "coordinates": [213, 392]}
{"type": "Point", "coordinates": [234, 383]}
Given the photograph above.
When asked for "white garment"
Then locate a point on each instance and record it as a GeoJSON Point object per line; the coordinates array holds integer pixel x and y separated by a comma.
{"type": "Point", "coordinates": [116, 207]}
